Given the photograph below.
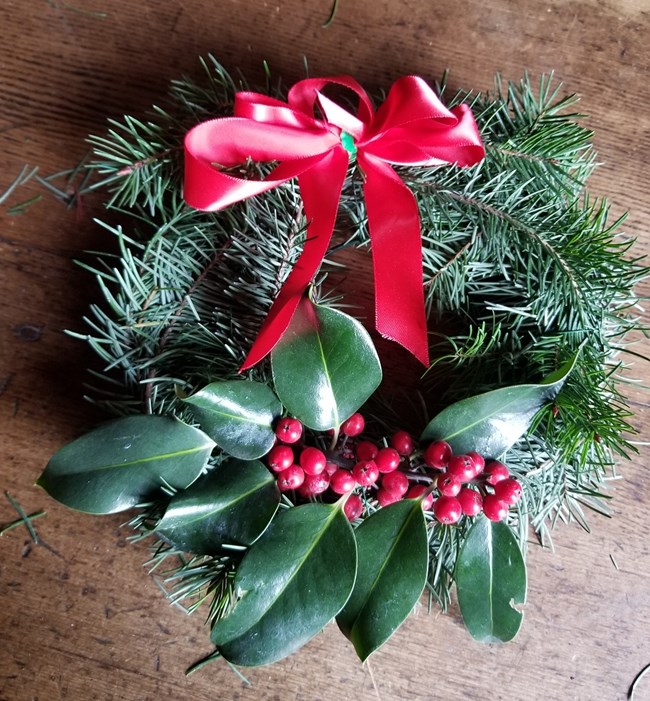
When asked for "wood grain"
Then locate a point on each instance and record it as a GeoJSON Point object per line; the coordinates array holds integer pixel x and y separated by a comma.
{"type": "Point", "coordinates": [83, 620]}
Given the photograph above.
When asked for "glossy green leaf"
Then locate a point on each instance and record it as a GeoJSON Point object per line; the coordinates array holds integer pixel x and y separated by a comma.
{"type": "Point", "coordinates": [325, 366]}
{"type": "Point", "coordinates": [490, 580]}
{"type": "Point", "coordinates": [393, 560]}
{"type": "Point", "coordinates": [125, 462]}
{"type": "Point", "coordinates": [238, 415]}
{"type": "Point", "coordinates": [292, 582]}
{"type": "Point", "coordinates": [234, 503]}
{"type": "Point", "coordinates": [492, 422]}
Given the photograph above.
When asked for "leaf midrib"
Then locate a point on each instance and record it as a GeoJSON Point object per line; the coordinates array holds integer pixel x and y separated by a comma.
{"type": "Point", "coordinates": [335, 409]}
{"type": "Point", "coordinates": [256, 488]}
{"type": "Point", "coordinates": [383, 566]}
{"type": "Point", "coordinates": [288, 581]}
{"type": "Point", "coordinates": [529, 388]}
{"type": "Point", "coordinates": [237, 417]}
{"type": "Point", "coordinates": [486, 416]}
{"type": "Point", "coordinates": [491, 576]}
{"type": "Point", "coordinates": [162, 456]}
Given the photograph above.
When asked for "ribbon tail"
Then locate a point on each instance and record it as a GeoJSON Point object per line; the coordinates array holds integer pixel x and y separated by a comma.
{"type": "Point", "coordinates": [320, 188]}
{"type": "Point", "coordinates": [394, 224]}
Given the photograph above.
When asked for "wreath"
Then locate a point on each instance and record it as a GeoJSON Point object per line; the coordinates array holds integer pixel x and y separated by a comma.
{"type": "Point", "coordinates": [281, 485]}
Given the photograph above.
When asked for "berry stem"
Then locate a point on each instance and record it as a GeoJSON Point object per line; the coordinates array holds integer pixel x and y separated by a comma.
{"type": "Point", "coordinates": [412, 475]}
{"type": "Point", "coordinates": [339, 460]}
{"type": "Point", "coordinates": [335, 438]}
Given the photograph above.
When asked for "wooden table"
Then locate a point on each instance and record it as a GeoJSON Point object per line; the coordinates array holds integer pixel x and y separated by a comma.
{"type": "Point", "coordinates": [82, 620]}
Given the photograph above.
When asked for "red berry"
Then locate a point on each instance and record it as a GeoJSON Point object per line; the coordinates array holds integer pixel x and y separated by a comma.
{"type": "Point", "coordinates": [365, 472]}
{"type": "Point", "coordinates": [508, 490]}
{"type": "Point", "coordinates": [366, 450]}
{"type": "Point", "coordinates": [288, 430]}
{"type": "Point", "coordinates": [331, 468]}
{"type": "Point", "coordinates": [416, 491]}
{"type": "Point", "coordinates": [313, 461]}
{"type": "Point", "coordinates": [291, 478]}
{"type": "Point", "coordinates": [471, 502]}
{"type": "Point", "coordinates": [353, 426]}
{"type": "Point", "coordinates": [479, 462]}
{"type": "Point", "coordinates": [279, 458]}
{"type": "Point", "coordinates": [402, 442]}
{"type": "Point", "coordinates": [342, 482]}
{"type": "Point", "coordinates": [447, 510]}
{"type": "Point", "coordinates": [314, 484]}
{"type": "Point", "coordinates": [495, 471]}
{"type": "Point", "coordinates": [385, 497]}
{"type": "Point", "coordinates": [437, 454]}
{"type": "Point", "coordinates": [396, 482]}
{"type": "Point", "coordinates": [353, 507]}
{"type": "Point", "coordinates": [387, 459]}
{"type": "Point", "coordinates": [494, 508]}
{"type": "Point", "coordinates": [462, 466]}
{"type": "Point", "coordinates": [449, 485]}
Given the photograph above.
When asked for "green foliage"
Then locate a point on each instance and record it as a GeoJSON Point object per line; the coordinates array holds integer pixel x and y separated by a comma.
{"type": "Point", "coordinates": [291, 583]}
{"type": "Point", "coordinates": [234, 503]}
{"type": "Point", "coordinates": [393, 561]}
{"type": "Point", "coordinates": [492, 422]}
{"type": "Point", "coordinates": [491, 580]}
{"type": "Point", "coordinates": [125, 462]}
{"type": "Point", "coordinates": [238, 416]}
{"type": "Point", "coordinates": [324, 367]}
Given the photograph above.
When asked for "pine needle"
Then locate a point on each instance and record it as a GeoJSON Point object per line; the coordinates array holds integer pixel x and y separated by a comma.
{"type": "Point", "coordinates": [332, 15]}
{"type": "Point", "coordinates": [22, 522]}
{"type": "Point", "coordinates": [24, 519]}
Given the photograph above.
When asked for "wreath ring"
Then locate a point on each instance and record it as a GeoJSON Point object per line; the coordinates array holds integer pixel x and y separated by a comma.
{"type": "Point", "coordinates": [295, 493]}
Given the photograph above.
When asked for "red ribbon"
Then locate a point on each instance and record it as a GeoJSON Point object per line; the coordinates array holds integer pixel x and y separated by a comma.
{"type": "Point", "coordinates": [411, 127]}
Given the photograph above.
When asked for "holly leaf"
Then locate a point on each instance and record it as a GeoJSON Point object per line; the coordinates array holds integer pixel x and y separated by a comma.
{"type": "Point", "coordinates": [124, 462]}
{"type": "Point", "coordinates": [324, 366]}
{"type": "Point", "coordinates": [234, 503]}
{"type": "Point", "coordinates": [393, 561]}
{"type": "Point", "coordinates": [492, 422]}
{"type": "Point", "coordinates": [490, 579]}
{"type": "Point", "coordinates": [291, 583]}
{"type": "Point", "coordinates": [238, 415]}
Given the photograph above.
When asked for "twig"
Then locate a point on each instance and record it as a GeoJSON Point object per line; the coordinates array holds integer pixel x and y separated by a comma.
{"type": "Point", "coordinates": [521, 154]}
{"type": "Point", "coordinates": [449, 263]}
{"type": "Point", "coordinates": [513, 221]}
{"type": "Point", "coordinates": [146, 161]}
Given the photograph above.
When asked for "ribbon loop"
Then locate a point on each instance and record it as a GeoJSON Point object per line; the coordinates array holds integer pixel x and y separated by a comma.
{"type": "Point", "coordinates": [411, 127]}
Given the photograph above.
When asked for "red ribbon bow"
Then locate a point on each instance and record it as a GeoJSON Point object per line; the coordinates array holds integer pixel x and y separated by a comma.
{"type": "Point", "coordinates": [411, 127]}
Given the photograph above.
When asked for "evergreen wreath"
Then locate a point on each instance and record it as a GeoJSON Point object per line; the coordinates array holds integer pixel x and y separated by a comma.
{"type": "Point", "coordinates": [295, 493]}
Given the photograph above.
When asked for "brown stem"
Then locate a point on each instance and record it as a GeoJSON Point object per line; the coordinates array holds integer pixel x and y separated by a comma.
{"type": "Point", "coordinates": [525, 156]}
{"type": "Point", "coordinates": [284, 264]}
{"type": "Point", "coordinates": [477, 204]}
{"type": "Point", "coordinates": [146, 161]}
{"type": "Point", "coordinates": [449, 263]}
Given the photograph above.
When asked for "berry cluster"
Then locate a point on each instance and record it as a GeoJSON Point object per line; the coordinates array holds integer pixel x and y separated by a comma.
{"type": "Point", "coordinates": [453, 485]}
{"type": "Point", "coordinates": [468, 485]}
